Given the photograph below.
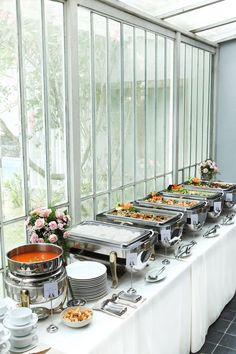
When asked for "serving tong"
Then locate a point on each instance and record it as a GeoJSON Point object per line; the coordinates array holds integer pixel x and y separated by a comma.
{"type": "Point", "coordinates": [212, 231]}
{"type": "Point", "coordinates": [228, 219]}
{"type": "Point", "coordinates": [184, 249]}
{"type": "Point", "coordinates": [115, 308]}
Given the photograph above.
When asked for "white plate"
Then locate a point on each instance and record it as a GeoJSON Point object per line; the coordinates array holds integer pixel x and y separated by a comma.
{"type": "Point", "coordinates": [78, 324]}
{"type": "Point", "coordinates": [8, 324]}
{"type": "Point", "coordinates": [25, 349]}
{"type": "Point", "coordinates": [85, 270]}
{"type": "Point", "coordinates": [159, 278]}
{"type": "Point", "coordinates": [5, 350]}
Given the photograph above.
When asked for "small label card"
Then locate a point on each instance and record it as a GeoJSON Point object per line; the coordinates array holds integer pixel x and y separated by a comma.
{"type": "Point", "coordinates": [229, 197]}
{"type": "Point", "coordinates": [50, 289]}
{"type": "Point", "coordinates": [194, 219]}
{"type": "Point", "coordinates": [165, 234]}
{"type": "Point", "coordinates": [131, 259]}
{"type": "Point", "coordinates": [217, 206]}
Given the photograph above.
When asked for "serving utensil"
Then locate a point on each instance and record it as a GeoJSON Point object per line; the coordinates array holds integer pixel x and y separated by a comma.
{"type": "Point", "coordinates": [212, 231]}
{"type": "Point", "coordinates": [155, 275]}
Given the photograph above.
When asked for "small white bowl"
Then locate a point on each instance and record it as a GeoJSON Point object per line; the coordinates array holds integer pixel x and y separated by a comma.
{"type": "Point", "coordinates": [20, 316]}
{"type": "Point", "coordinates": [22, 342]}
{"type": "Point", "coordinates": [21, 331]}
{"type": "Point", "coordinates": [76, 324]}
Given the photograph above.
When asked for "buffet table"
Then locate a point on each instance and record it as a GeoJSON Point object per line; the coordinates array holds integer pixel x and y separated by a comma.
{"type": "Point", "coordinates": [177, 311]}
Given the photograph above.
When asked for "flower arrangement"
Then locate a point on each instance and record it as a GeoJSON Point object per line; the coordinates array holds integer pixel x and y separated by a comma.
{"type": "Point", "coordinates": [208, 169]}
{"type": "Point", "coordinates": [48, 225]}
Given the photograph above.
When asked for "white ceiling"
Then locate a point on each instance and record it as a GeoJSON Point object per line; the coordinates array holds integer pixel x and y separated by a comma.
{"type": "Point", "coordinates": [214, 20]}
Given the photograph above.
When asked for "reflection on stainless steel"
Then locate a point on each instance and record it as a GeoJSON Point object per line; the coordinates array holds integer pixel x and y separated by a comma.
{"type": "Point", "coordinates": [129, 297]}
{"type": "Point", "coordinates": [212, 231]}
{"type": "Point", "coordinates": [228, 219]}
{"type": "Point", "coordinates": [115, 308]}
{"type": "Point", "coordinates": [184, 249]}
{"type": "Point", "coordinates": [155, 273]}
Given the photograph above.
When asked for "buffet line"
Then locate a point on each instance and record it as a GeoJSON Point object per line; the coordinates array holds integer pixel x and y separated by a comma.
{"type": "Point", "coordinates": [124, 239]}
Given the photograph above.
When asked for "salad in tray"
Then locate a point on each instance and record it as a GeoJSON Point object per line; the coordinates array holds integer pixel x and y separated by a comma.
{"type": "Point", "coordinates": [129, 211]}
{"type": "Point", "coordinates": [197, 182]}
{"type": "Point", "coordinates": [180, 189]}
{"type": "Point", "coordinates": [157, 198]}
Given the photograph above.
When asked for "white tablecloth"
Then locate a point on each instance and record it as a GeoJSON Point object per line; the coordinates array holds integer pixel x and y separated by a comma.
{"type": "Point", "coordinates": [161, 325]}
{"type": "Point", "coordinates": [176, 314]}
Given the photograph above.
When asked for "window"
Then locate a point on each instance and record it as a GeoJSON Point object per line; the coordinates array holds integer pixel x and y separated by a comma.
{"type": "Point", "coordinates": [126, 110]}
{"type": "Point", "coordinates": [33, 114]}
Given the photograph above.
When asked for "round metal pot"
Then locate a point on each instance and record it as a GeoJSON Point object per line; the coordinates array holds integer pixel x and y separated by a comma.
{"type": "Point", "coordinates": [14, 284]}
{"type": "Point", "coordinates": [31, 269]}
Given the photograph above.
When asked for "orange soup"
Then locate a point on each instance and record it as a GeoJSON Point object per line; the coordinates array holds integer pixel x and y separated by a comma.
{"type": "Point", "coordinates": [34, 256]}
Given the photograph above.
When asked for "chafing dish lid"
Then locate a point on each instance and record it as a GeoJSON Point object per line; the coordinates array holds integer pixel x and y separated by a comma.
{"type": "Point", "coordinates": [118, 235]}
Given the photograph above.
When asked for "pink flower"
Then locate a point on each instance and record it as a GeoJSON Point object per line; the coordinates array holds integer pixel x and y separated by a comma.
{"type": "Point", "coordinates": [53, 238]}
{"type": "Point", "coordinates": [27, 221]}
{"type": "Point", "coordinates": [52, 225]}
{"type": "Point", "coordinates": [39, 223]}
{"type": "Point", "coordinates": [35, 211]}
{"type": "Point", "coordinates": [45, 212]}
{"type": "Point", "coordinates": [60, 226]}
{"type": "Point", "coordinates": [40, 240]}
{"type": "Point", "coordinates": [60, 214]}
{"type": "Point", "coordinates": [34, 238]}
{"type": "Point", "coordinates": [66, 234]}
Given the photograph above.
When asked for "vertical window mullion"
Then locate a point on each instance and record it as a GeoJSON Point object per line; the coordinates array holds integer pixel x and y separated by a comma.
{"type": "Point", "coordinates": [155, 125]}
{"type": "Point", "coordinates": [134, 95]}
{"type": "Point", "coordinates": [191, 118]}
{"type": "Point", "coordinates": [145, 112]}
{"type": "Point", "coordinates": [203, 99]}
{"type": "Point", "coordinates": [197, 81]}
{"type": "Point", "coordinates": [93, 88]}
{"type": "Point", "coordinates": [122, 107]}
{"type": "Point", "coordinates": [45, 98]}
{"type": "Point", "coordinates": [108, 110]}
{"type": "Point", "coordinates": [22, 110]}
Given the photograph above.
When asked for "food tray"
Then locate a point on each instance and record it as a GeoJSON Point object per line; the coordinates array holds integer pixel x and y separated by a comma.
{"type": "Point", "coordinates": [175, 205]}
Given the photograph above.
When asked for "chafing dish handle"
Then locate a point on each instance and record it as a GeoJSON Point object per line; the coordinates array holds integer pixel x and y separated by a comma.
{"type": "Point", "coordinates": [112, 259]}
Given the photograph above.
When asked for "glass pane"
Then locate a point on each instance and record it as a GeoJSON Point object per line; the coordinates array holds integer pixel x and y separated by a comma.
{"type": "Point", "coordinates": [14, 235]}
{"type": "Point", "coordinates": [151, 186]}
{"type": "Point", "coordinates": [56, 101]}
{"type": "Point", "coordinates": [209, 109]}
{"type": "Point", "coordinates": [140, 102]}
{"type": "Point", "coordinates": [150, 106]}
{"type": "Point", "coordinates": [192, 171]}
{"type": "Point", "coordinates": [159, 183]}
{"type": "Point", "coordinates": [116, 197]}
{"type": "Point", "coordinates": [186, 174]}
{"type": "Point", "coordinates": [101, 129]}
{"type": "Point", "coordinates": [169, 180]}
{"type": "Point", "coordinates": [160, 142]}
{"type": "Point", "coordinates": [200, 105]}
{"type": "Point", "coordinates": [85, 104]}
{"type": "Point", "coordinates": [128, 194]}
{"type": "Point", "coordinates": [194, 105]}
{"type": "Point", "coordinates": [34, 107]}
{"type": "Point", "coordinates": [187, 105]}
{"type": "Point", "coordinates": [140, 190]}
{"type": "Point", "coordinates": [102, 203]}
{"type": "Point", "coordinates": [11, 150]}
{"type": "Point", "coordinates": [128, 104]}
{"type": "Point", "coordinates": [114, 102]}
{"type": "Point", "coordinates": [87, 209]}
{"type": "Point", "coordinates": [169, 102]}
{"type": "Point", "coordinates": [181, 106]}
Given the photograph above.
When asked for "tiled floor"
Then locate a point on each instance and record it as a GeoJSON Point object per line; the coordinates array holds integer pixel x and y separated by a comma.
{"type": "Point", "coordinates": [221, 336]}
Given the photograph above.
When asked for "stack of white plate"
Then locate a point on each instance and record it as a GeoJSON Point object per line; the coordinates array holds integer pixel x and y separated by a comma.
{"type": "Point", "coordinates": [88, 280]}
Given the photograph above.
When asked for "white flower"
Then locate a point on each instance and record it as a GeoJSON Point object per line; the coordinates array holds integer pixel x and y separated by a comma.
{"type": "Point", "coordinates": [205, 170]}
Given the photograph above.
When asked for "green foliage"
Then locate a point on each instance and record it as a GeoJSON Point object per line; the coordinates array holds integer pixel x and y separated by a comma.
{"type": "Point", "coordinates": [14, 188]}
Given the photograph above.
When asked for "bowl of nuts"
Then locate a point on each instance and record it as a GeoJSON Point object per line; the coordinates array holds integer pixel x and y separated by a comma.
{"type": "Point", "coordinates": [77, 316]}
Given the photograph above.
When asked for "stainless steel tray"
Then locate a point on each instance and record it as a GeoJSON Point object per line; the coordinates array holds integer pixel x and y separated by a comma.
{"type": "Point", "coordinates": [198, 194]}
{"type": "Point", "coordinates": [103, 233]}
{"type": "Point", "coordinates": [215, 185]}
{"type": "Point", "coordinates": [172, 216]}
{"type": "Point", "coordinates": [146, 203]}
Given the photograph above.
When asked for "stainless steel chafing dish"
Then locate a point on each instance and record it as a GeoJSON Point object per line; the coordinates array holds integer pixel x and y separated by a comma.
{"type": "Point", "coordinates": [214, 199]}
{"type": "Point", "coordinates": [229, 190]}
{"type": "Point", "coordinates": [170, 224]}
{"type": "Point", "coordinates": [195, 211]}
{"type": "Point", "coordinates": [112, 243]}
